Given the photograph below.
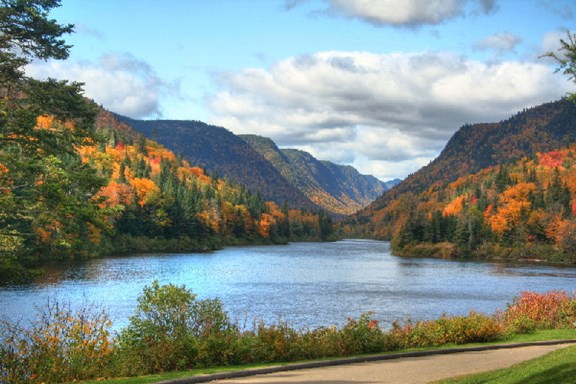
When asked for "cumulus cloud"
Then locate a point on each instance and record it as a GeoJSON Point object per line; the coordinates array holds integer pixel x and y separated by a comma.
{"type": "Point", "coordinates": [373, 110]}
{"type": "Point", "coordinates": [120, 82]}
{"type": "Point", "coordinates": [500, 43]}
{"type": "Point", "coordinates": [404, 13]}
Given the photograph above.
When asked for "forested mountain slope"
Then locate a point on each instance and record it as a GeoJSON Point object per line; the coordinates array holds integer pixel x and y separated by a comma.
{"type": "Point", "coordinates": [474, 147]}
{"type": "Point", "coordinates": [524, 210]}
{"type": "Point", "coordinates": [223, 154]}
{"type": "Point", "coordinates": [505, 190]}
{"type": "Point", "coordinates": [153, 194]}
{"type": "Point", "coordinates": [336, 188]}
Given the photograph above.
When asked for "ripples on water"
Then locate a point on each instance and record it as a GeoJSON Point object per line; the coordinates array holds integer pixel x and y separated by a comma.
{"type": "Point", "coordinates": [305, 284]}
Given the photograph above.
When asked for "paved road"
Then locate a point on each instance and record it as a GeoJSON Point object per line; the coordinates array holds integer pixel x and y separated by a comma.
{"type": "Point", "coordinates": [412, 370]}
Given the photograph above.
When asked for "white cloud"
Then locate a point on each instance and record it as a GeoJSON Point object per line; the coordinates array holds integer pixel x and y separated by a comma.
{"type": "Point", "coordinates": [500, 43]}
{"type": "Point", "coordinates": [375, 111]}
{"type": "Point", "coordinates": [120, 82]}
{"type": "Point", "coordinates": [405, 12]}
{"type": "Point", "coordinates": [551, 43]}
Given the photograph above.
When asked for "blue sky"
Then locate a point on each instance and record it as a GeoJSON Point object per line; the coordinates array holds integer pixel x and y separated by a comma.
{"type": "Point", "coordinates": [378, 84]}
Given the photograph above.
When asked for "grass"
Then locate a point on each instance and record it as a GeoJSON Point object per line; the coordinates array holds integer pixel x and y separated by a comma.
{"type": "Point", "coordinates": [557, 365]}
{"type": "Point", "coordinates": [167, 376]}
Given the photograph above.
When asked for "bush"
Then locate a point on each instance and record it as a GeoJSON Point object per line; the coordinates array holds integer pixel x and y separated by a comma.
{"type": "Point", "coordinates": [60, 345]}
{"type": "Point", "coordinates": [217, 336]}
{"type": "Point", "coordinates": [321, 342]}
{"type": "Point", "coordinates": [474, 328]}
{"type": "Point", "coordinates": [363, 336]}
{"type": "Point", "coordinates": [275, 343]}
{"type": "Point", "coordinates": [532, 310]}
{"type": "Point", "coordinates": [171, 330]}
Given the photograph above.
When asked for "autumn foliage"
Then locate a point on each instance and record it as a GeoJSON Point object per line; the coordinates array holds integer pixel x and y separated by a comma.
{"type": "Point", "coordinates": [533, 310]}
{"type": "Point", "coordinates": [118, 192]}
{"type": "Point", "coordinates": [152, 193]}
{"type": "Point", "coordinates": [524, 210]}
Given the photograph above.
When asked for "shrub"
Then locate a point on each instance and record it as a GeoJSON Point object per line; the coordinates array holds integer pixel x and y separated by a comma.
{"type": "Point", "coordinates": [532, 310]}
{"type": "Point", "coordinates": [275, 342]}
{"type": "Point", "coordinates": [473, 328]}
{"type": "Point", "coordinates": [159, 336]}
{"type": "Point", "coordinates": [60, 345]}
{"type": "Point", "coordinates": [363, 336]}
{"type": "Point", "coordinates": [321, 342]}
{"type": "Point", "coordinates": [217, 336]}
{"type": "Point", "coordinates": [171, 330]}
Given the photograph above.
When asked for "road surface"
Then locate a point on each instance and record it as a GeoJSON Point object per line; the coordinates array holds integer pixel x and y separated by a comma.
{"type": "Point", "coordinates": [404, 370]}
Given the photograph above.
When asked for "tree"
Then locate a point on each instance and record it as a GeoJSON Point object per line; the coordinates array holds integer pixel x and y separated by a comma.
{"type": "Point", "coordinates": [27, 33]}
{"type": "Point", "coordinates": [566, 58]}
{"type": "Point", "coordinates": [46, 190]}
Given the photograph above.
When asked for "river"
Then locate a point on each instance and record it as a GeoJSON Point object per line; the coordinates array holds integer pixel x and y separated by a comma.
{"type": "Point", "coordinates": [306, 285]}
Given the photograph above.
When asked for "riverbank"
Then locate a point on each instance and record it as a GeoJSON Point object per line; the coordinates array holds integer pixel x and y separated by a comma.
{"type": "Point", "coordinates": [490, 252]}
{"type": "Point", "coordinates": [306, 285]}
{"type": "Point", "coordinates": [173, 331]}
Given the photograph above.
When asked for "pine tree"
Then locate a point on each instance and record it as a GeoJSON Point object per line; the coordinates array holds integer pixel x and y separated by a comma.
{"type": "Point", "coordinates": [38, 162]}
{"type": "Point", "coordinates": [566, 58]}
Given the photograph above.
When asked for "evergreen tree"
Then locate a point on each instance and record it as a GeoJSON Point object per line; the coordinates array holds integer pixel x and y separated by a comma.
{"type": "Point", "coordinates": [46, 197]}
{"type": "Point", "coordinates": [566, 58]}
{"type": "Point", "coordinates": [558, 195]}
{"type": "Point", "coordinates": [502, 180]}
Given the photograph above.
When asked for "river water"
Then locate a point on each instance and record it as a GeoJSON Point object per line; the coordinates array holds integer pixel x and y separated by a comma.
{"type": "Point", "coordinates": [306, 285]}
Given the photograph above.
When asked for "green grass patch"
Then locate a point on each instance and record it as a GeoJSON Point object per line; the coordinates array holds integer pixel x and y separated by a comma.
{"type": "Point", "coordinates": [553, 368]}
{"type": "Point", "coordinates": [155, 378]}
{"type": "Point", "coordinates": [543, 335]}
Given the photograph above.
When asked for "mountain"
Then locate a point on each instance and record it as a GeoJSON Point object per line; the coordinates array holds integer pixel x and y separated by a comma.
{"type": "Point", "coordinates": [392, 183]}
{"type": "Point", "coordinates": [158, 201]}
{"type": "Point", "coordinates": [477, 146]}
{"type": "Point", "coordinates": [524, 210]}
{"type": "Point", "coordinates": [283, 176]}
{"type": "Point", "coordinates": [502, 190]}
{"type": "Point", "coordinates": [336, 188]}
{"type": "Point", "coordinates": [222, 154]}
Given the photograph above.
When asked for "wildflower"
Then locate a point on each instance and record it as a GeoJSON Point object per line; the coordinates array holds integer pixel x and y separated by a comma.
{"type": "Point", "coordinates": [373, 324]}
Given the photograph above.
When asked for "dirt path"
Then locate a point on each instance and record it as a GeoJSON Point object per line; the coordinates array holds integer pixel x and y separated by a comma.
{"type": "Point", "coordinates": [411, 370]}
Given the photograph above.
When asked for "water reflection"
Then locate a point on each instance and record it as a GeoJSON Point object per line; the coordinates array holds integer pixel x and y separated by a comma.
{"type": "Point", "coordinates": [305, 284]}
{"type": "Point", "coordinates": [546, 271]}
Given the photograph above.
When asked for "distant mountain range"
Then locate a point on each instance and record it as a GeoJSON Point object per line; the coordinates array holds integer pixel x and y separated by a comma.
{"type": "Point", "coordinates": [282, 175]}
{"type": "Point", "coordinates": [337, 188]}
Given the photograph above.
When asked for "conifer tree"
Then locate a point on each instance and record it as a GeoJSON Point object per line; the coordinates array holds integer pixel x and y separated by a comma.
{"type": "Point", "coordinates": [45, 204]}
{"type": "Point", "coordinates": [566, 58]}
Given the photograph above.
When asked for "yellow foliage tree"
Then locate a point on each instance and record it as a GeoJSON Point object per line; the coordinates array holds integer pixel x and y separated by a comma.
{"type": "Point", "coordinates": [144, 189]}
{"type": "Point", "coordinates": [454, 207]}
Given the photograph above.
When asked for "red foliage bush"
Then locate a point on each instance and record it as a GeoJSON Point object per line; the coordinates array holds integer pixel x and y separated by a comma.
{"type": "Point", "coordinates": [533, 310]}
